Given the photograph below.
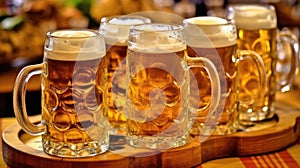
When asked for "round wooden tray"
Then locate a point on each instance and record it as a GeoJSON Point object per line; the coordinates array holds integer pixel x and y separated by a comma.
{"type": "Point", "coordinates": [23, 150]}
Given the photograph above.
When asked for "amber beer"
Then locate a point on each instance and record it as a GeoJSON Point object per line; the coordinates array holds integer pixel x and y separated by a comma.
{"type": "Point", "coordinates": [264, 43]}
{"type": "Point", "coordinates": [115, 58]}
{"type": "Point", "coordinates": [156, 90]}
{"type": "Point", "coordinates": [166, 91]}
{"type": "Point", "coordinates": [158, 113]}
{"type": "Point", "coordinates": [227, 122]}
{"type": "Point", "coordinates": [73, 100]}
{"type": "Point", "coordinates": [116, 31]}
{"type": "Point", "coordinates": [215, 38]}
{"type": "Point", "coordinates": [73, 103]}
{"type": "Point", "coordinates": [257, 31]}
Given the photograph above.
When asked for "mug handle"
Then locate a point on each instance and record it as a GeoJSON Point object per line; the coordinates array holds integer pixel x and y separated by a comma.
{"type": "Point", "coordinates": [287, 50]}
{"type": "Point", "coordinates": [258, 61]}
{"type": "Point", "coordinates": [215, 81]}
{"type": "Point", "coordinates": [19, 100]}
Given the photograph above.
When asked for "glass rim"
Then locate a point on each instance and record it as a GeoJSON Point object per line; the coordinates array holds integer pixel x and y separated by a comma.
{"type": "Point", "coordinates": [105, 20]}
{"type": "Point", "coordinates": [93, 34]}
{"type": "Point", "coordinates": [229, 21]}
{"type": "Point", "coordinates": [157, 27]}
{"type": "Point", "coordinates": [241, 6]}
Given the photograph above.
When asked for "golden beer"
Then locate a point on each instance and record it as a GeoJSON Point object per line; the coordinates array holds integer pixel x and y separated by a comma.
{"type": "Point", "coordinates": [153, 79]}
{"type": "Point", "coordinates": [115, 57]}
{"type": "Point", "coordinates": [226, 122]}
{"type": "Point", "coordinates": [156, 99]}
{"type": "Point", "coordinates": [73, 95]}
{"type": "Point", "coordinates": [72, 107]}
{"type": "Point", "coordinates": [262, 41]}
{"type": "Point", "coordinates": [115, 29]}
{"type": "Point", "coordinates": [257, 31]}
{"type": "Point", "coordinates": [216, 39]}
{"type": "Point", "coordinates": [158, 94]}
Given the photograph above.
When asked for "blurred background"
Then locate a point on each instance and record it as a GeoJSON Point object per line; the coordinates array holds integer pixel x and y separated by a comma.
{"type": "Point", "coordinates": [24, 24]}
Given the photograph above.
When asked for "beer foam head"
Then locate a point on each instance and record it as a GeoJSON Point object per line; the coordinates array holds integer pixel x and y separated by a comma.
{"type": "Point", "coordinates": [126, 21]}
{"type": "Point", "coordinates": [208, 20]}
{"type": "Point", "coordinates": [157, 38]}
{"type": "Point", "coordinates": [253, 17]}
{"type": "Point", "coordinates": [116, 29]}
{"type": "Point", "coordinates": [74, 45]}
{"type": "Point", "coordinates": [210, 32]}
{"type": "Point", "coordinates": [73, 33]}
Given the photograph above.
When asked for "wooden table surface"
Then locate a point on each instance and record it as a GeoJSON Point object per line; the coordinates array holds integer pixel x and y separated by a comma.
{"type": "Point", "coordinates": [288, 157]}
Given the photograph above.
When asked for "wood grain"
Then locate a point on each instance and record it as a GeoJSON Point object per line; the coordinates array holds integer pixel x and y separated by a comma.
{"type": "Point", "coordinates": [23, 150]}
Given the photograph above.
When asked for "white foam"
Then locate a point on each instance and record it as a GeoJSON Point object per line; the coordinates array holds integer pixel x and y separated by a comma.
{"type": "Point", "coordinates": [116, 30]}
{"type": "Point", "coordinates": [209, 32]}
{"type": "Point", "coordinates": [71, 56]}
{"type": "Point", "coordinates": [73, 33]}
{"type": "Point", "coordinates": [155, 42]}
{"type": "Point", "coordinates": [253, 17]}
{"type": "Point", "coordinates": [74, 45]}
{"type": "Point", "coordinates": [159, 49]}
{"type": "Point", "coordinates": [126, 21]}
{"type": "Point", "coordinates": [208, 20]}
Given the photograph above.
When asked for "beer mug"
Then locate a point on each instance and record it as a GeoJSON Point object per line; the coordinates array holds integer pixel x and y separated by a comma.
{"type": "Point", "coordinates": [115, 30]}
{"type": "Point", "coordinates": [215, 39]}
{"type": "Point", "coordinates": [158, 92]}
{"type": "Point", "coordinates": [73, 82]}
{"type": "Point", "coordinates": [257, 30]}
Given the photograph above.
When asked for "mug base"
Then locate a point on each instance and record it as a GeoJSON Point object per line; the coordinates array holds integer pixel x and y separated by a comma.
{"type": "Point", "coordinates": [201, 129]}
{"type": "Point", "coordinates": [156, 142]}
{"type": "Point", "coordinates": [118, 129]}
{"type": "Point", "coordinates": [257, 116]}
{"type": "Point", "coordinates": [69, 150]}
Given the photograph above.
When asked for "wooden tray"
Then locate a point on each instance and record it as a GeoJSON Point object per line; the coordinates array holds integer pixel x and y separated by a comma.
{"type": "Point", "coordinates": [23, 150]}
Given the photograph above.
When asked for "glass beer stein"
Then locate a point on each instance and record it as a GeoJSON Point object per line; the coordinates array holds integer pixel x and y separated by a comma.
{"type": "Point", "coordinates": [73, 79]}
{"type": "Point", "coordinates": [215, 39]}
{"type": "Point", "coordinates": [158, 92]}
{"type": "Point", "coordinates": [115, 30]}
{"type": "Point", "coordinates": [257, 30]}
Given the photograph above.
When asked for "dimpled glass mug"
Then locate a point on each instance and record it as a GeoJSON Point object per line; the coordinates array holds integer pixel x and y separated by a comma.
{"type": "Point", "coordinates": [73, 82]}
{"type": "Point", "coordinates": [257, 30]}
{"type": "Point", "coordinates": [115, 30]}
{"type": "Point", "coordinates": [216, 39]}
{"type": "Point", "coordinates": [158, 92]}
